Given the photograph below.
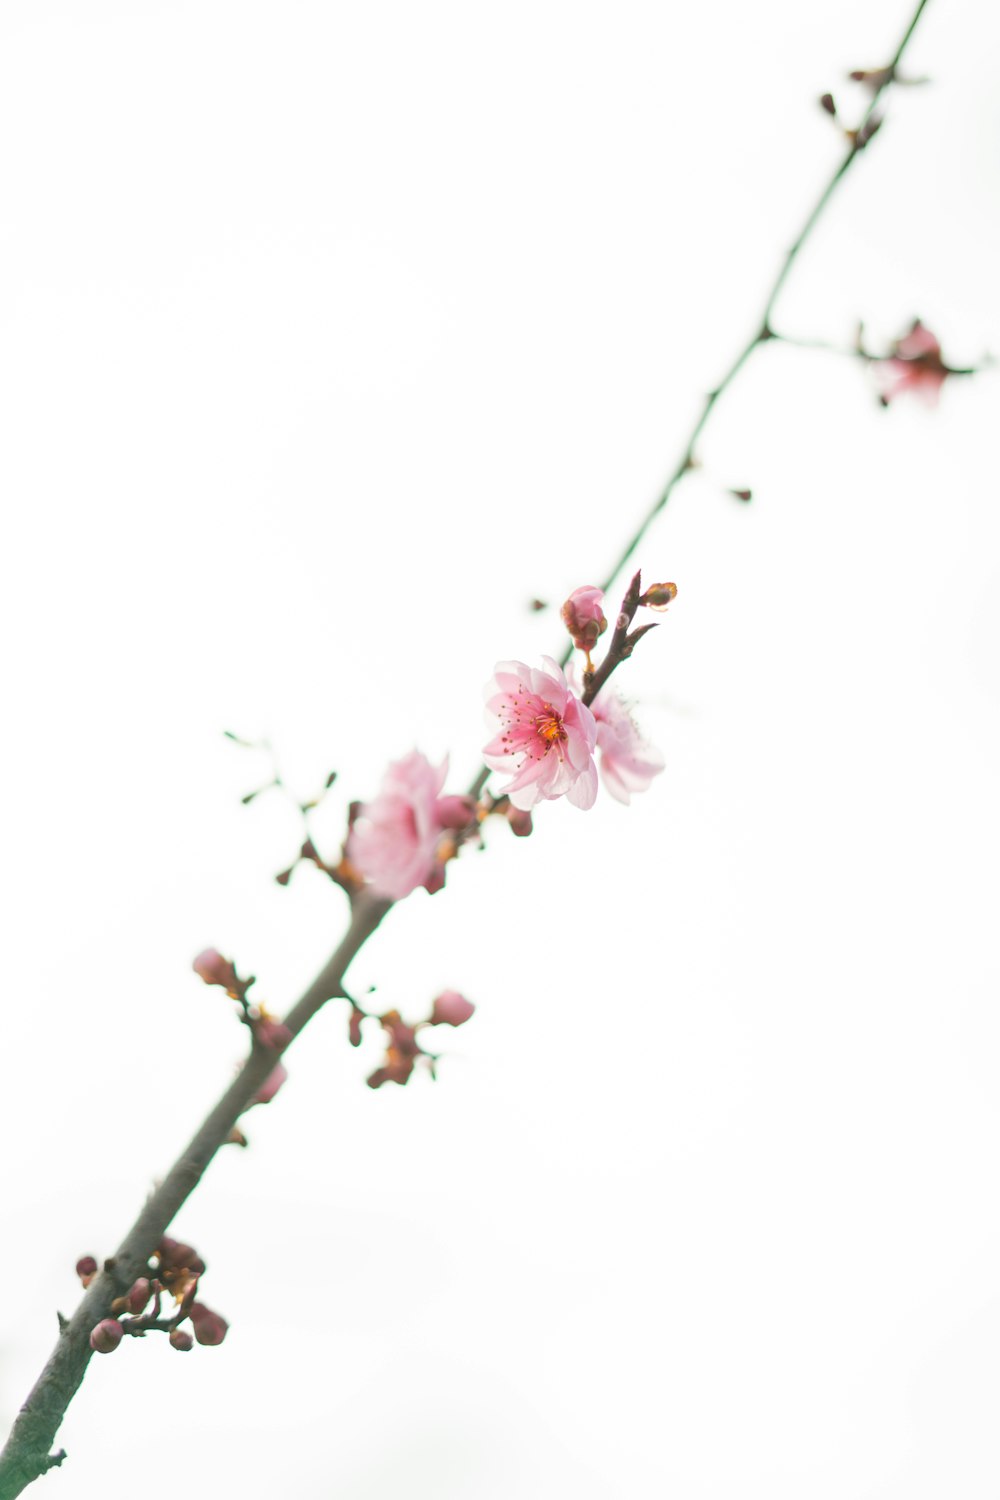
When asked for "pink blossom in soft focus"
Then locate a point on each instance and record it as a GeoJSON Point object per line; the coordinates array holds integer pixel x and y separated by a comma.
{"type": "Point", "coordinates": [394, 840]}
{"type": "Point", "coordinates": [915, 365]}
{"type": "Point", "coordinates": [451, 1009]}
{"type": "Point", "coordinates": [583, 616]}
{"type": "Point", "coordinates": [274, 1034]}
{"type": "Point", "coordinates": [272, 1083]}
{"type": "Point", "coordinates": [628, 762]}
{"type": "Point", "coordinates": [214, 969]}
{"type": "Point", "coordinates": [544, 734]}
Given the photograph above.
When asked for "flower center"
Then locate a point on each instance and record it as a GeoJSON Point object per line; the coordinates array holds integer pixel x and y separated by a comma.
{"type": "Point", "coordinates": [549, 725]}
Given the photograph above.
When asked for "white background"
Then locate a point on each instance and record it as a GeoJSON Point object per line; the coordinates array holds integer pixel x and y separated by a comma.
{"type": "Point", "coordinates": [330, 336]}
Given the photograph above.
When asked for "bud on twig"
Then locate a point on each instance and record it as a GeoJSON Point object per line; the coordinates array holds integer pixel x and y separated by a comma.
{"type": "Point", "coordinates": [583, 616]}
{"type": "Point", "coordinates": [86, 1269]}
{"type": "Point", "coordinates": [451, 1009]}
{"type": "Point", "coordinates": [105, 1338]}
{"type": "Point", "coordinates": [659, 595]}
{"type": "Point", "coordinates": [209, 1328]}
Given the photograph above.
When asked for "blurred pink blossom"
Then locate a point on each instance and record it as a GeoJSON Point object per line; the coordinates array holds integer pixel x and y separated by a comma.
{"type": "Point", "coordinates": [628, 762]}
{"type": "Point", "coordinates": [583, 616]}
{"type": "Point", "coordinates": [544, 734]}
{"type": "Point", "coordinates": [915, 365]}
{"type": "Point", "coordinates": [451, 1009]}
{"type": "Point", "coordinates": [272, 1032]}
{"type": "Point", "coordinates": [214, 969]}
{"type": "Point", "coordinates": [272, 1083]}
{"type": "Point", "coordinates": [394, 840]}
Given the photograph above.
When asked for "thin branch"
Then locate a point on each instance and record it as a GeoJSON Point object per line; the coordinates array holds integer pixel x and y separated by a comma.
{"type": "Point", "coordinates": [26, 1455]}
{"type": "Point", "coordinates": [857, 141]}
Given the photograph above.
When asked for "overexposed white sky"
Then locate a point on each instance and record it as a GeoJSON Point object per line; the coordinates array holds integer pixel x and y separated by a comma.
{"type": "Point", "coordinates": [330, 337]}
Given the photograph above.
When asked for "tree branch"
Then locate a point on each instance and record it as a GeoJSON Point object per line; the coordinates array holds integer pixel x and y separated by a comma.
{"type": "Point", "coordinates": [26, 1455]}
{"type": "Point", "coordinates": [857, 142]}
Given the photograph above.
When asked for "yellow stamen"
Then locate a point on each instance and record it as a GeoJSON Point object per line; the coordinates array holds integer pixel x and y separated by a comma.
{"type": "Point", "coordinates": [549, 726]}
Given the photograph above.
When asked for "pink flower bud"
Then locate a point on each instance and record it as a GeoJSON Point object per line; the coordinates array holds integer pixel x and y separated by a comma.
{"type": "Point", "coordinates": [105, 1338]}
{"type": "Point", "coordinates": [209, 1328]}
{"type": "Point", "coordinates": [451, 1009]}
{"type": "Point", "coordinates": [86, 1269]}
{"type": "Point", "coordinates": [181, 1339]}
{"type": "Point", "coordinates": [272, 1083]}
{"type": "Point", "coordinates": [214, 969]}
{"type": "Point", "coordinates": [139, 1295]}
{"type": "Point", "coordinates": [583, 616]}
{"type": "Point", "coordinates": [455, 812]}
{"type": "Point", "coordinates": [520, 821]}
{"type": "Point", "coordinates": [274, 1034]}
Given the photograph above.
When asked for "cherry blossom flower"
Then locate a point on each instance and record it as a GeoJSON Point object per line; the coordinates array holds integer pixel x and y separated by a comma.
{"type": "Point", "coordinates": [627, 761]}
{"type": "Point", "coordinates": [914, 365]}
{"type": "Point", "coordinates": [583, 616]}
{"type": "Point", "coordinates": [544, 734]}
{"type": "Point", "coordinates": [394, 842]}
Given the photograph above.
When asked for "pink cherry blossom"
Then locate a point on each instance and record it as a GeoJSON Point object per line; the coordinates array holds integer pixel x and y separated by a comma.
{"type": "Point", "coordinates": [394, 840]}
{"type": "Point", "coordinates": [628, 762]}
{"type": "Point", "coordinates": [544, 734]}
{"type": "Point", "coordinates": [583, 616]}
{"type": "Point", "coordinates": [915, 365]}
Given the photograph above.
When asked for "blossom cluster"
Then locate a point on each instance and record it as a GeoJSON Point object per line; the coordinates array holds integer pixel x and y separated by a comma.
{"type": "Point", "coordinates": [405, 1043]}
{"type": "Point", "coordinates": [551, 737]}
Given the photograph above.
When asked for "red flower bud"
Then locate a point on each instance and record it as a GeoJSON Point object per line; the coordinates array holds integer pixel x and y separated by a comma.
{"type": "Point", "coordinates": [105, 1338]}
{"type": "Point", "coordinates": [139, 1295]}
{"type": "Point", "coordinates": [451, 1009]}
{"type": "Point", "coordinates": [520, 821]}
{"type": "Point", "coordinates": [86, 1269]}
{"type": "Point", "coordinates": [209, 1328]}
{"type": "Point", "coordinates": [175, 1256]}
{"type": "Point", "coordinates": [181, 1339]}
{"type": "Point", "coordinates": [354, 1027]}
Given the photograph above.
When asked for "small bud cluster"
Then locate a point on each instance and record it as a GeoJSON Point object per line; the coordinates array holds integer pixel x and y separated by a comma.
{"type": "Point", "coordinates": [175, 1270]}
{"type": "Point", "coordinates": [267, 1030]}
{"type": "Point", "coordinates": [404, 1046]}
